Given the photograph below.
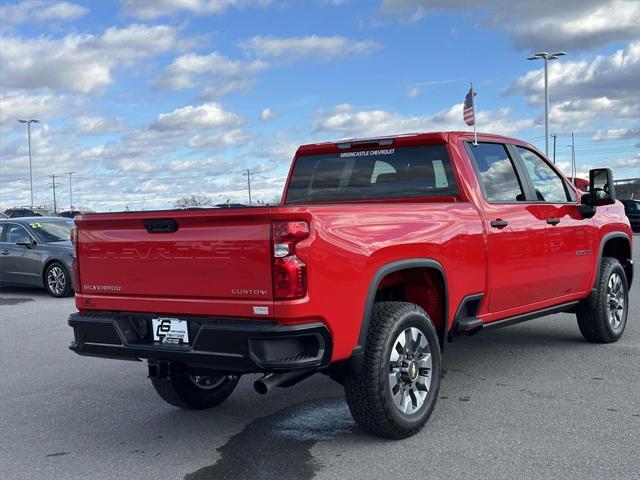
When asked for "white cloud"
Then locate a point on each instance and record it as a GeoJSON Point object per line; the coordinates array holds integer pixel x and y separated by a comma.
{"type": "Point", "coordinates": [349, 122]}
{"type": "Point", "coordinates": [533, 25]}
{"type": "Point", "coordinates": [18, 104]}
{"type": "Point", "coordinates": [581, 90]}
{"type": "Point", "coordinates": [207, 115]}
{"type": "Point", "coordinates": [191, 70]}
{"type": "Point", "coordinates": [267, 114]}
{"type": "Point", "coordinates": [215, 166]}
{"type": "Point", "coordinates": [312, 46]}
{"type": "Point", "coordinates": [41, 11]}
{"type": "Point", "coordinates": [80, 63]}
{"type": "Point", "coordinates": [616, 134]}
{"type": "Point", "coordinates": [136, 165]}
{"type": "Point", "coordinates": [95, 125]}
{"type": "Point", "coordinates": [149, 10]}
{"type": "Point", "coordinates": [220, 139]}
{"type": "Point", "coordinates": [414, 91]}
{"type": "Point", "coordinates": [627, 163]}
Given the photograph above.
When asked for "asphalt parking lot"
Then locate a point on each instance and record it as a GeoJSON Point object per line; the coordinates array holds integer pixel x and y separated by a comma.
{"type": "Point", "coordinates": [529, 401]}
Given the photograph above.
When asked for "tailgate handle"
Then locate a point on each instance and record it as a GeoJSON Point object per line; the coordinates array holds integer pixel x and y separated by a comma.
{"type": "Point", "coordinates": [161, 225]}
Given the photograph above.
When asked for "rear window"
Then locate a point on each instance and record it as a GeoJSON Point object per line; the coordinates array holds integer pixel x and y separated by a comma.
{"type": "Point", "coordinates": [373, 174]}
{"type": "Point", "coordinates": [48, 232]}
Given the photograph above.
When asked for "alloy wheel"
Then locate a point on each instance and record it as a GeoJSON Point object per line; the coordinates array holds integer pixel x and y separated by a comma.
{"type": "Point", "coordinates": [410, 370]}
{"type": "Point", "coordinates": [615, 301]}
{"type": "Point", "coordinates": [56, 280]}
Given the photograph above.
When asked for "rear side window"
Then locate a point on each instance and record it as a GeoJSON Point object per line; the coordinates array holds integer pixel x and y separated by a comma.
{"type": "Point", "coordinates": [548, 185]}
{"type": "Point", "coordinates": [497, 173]}
{"type": "Point", "coordinates": [373, 174]}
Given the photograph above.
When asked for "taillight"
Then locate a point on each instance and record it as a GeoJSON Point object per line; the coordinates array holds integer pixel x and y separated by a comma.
{"type": "Point", "coordinates": [75, 268]}
{"type": "Point", "coordinates": [289, 272]}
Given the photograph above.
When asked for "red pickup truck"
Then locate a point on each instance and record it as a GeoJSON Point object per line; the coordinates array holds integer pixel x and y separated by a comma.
{"type": "Point", "coordinates": [381, 251]}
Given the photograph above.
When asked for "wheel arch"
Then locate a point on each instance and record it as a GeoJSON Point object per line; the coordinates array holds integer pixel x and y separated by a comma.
{"type": "Point", "coordinates": [616, 245]}
{"type": "Point", "coordinates": [430, 265]}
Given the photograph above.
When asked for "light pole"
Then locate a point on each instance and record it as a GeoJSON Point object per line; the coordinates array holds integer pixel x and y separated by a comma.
{"type": "Point", "coordinates": [29, 122]}
{"type": "Point", "coordinates": [248, 174]}
{"type": "Point", "coordinates": [70, 192]}
{"type": "Point", "coordinates": [574, 167]}
{"type": "Point", "coordinates": [546, 57]}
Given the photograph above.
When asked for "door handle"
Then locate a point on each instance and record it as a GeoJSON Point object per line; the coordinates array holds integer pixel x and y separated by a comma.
{"type": "Point", "coordinates": [553, 221]}
{"type": "Point", "coordinates": [499, 223]}
{"type": "Point", "coordinates": [4, 252]}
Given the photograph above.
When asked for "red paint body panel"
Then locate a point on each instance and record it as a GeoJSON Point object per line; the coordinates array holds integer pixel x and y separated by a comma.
{"type": "Point", "coordinates": [195, 270]}
{"type": "Point", "coordinates": [219, 262]}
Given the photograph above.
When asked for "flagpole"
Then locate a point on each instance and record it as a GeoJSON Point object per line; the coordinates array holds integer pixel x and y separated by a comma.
{"type": "Point", "coordinates": [473, 104]}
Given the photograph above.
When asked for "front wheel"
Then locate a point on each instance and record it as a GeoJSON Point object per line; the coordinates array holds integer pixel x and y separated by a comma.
{"type": "Point", "coordinates": [57, 280]}
{"type": "Point", "coordinates": [603, 316]}
{"type": "Point", "coordinates": [195, 392]}
{"type": "Point", "coordinates": [397, 387]}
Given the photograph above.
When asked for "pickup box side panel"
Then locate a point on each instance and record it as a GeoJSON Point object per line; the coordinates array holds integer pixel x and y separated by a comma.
{"type": "Point", "coordinates": [351, 243]}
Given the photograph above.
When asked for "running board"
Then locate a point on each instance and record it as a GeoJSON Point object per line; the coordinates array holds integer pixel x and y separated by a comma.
{"type": "Point", "coordinates": [507, 322]}
{"type": "Point", "coordinates": [466, 323]}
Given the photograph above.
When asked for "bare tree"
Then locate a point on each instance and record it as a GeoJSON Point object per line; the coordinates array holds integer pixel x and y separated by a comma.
{"type": "Point", "coordinates": [193, 200]}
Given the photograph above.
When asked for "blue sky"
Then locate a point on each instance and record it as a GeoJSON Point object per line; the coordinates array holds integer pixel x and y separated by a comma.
{"type": "Point", "coordinates": [151, 101]}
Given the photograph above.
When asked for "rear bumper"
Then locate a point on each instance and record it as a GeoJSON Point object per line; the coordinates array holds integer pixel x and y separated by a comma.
{"type": "Point", "coordinates": [221, 344]}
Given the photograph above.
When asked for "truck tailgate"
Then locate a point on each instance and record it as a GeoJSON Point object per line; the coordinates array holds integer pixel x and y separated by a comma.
{"type": "Point", "coordinates": [217, 262]}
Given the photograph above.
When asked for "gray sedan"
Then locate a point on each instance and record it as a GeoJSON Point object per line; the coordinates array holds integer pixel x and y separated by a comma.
{"type": "Point", "coordinates": [37, 252]}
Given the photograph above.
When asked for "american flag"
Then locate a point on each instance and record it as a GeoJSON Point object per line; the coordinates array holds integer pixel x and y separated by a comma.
{"type": "Point", "coordinates": [468, 111]}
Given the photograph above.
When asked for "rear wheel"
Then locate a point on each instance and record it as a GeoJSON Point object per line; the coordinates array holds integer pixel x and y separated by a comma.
{"type": "Point", "coordinates": [603, 316]}
{"type": "Point", "coordinates": [57, 280]}
{"type": "Point", "coordinates": [396, 390]}
{"type": "Point", "coordinates": [195, 392]}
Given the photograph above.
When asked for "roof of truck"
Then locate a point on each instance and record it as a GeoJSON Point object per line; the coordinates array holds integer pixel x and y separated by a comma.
{"type": "Point", "coordinates": [404, 139]}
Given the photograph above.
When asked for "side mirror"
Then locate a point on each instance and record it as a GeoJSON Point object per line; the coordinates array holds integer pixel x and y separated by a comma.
{"type": "Point", "coordinates": [26, 242]}
{"type": "Point", "coordinates": [601, 188]}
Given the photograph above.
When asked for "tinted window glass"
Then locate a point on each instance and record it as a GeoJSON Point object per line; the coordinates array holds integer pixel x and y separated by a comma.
{"type": "Point", "coordinates": [373, 174]}
{"type": "Point", "coordinates": [547, 183]}
{"type": "Point", "coordinates": [52, 231]}
{"type": "Point", "coordinates": [497, 173]}
{"type": "Point", "coordinates": [16, 233]}
{"type": "Point", "coordinates": [632, 206]}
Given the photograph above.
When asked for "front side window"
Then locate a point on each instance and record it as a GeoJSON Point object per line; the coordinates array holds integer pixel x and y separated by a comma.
{"type": "Point", "coordinates": [497, 173]}
{"type": "Point", "coordinates": [406, 172]}
{"type": "Point", "coordinates": [548, 185]}
{"type": "Point", "coordinates": [15, 233]}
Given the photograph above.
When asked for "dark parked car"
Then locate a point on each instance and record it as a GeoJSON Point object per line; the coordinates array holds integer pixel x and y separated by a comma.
{"type": "Point", "coordinates": [37, 252]}
{"type": "Point", "coordinates": [21, 212]}
{"type": "Point", "coordinates": [69, 213]}
{"type": "Point", "coordinates": [632, 210]}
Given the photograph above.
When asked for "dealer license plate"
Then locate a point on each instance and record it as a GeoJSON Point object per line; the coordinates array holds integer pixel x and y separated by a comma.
{"type": "Point", "coordinates": [170, 330]}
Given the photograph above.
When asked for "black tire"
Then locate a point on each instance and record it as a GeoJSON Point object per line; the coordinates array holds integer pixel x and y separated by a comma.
{"type": "Point", "coordinates": [369, 393]}
{"type": "Point", "coordinates": [61, 287]}
{"type": "Point", "coordinates": [593, 313]}
{"type": "Point", "coordinates": [183, 391]}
